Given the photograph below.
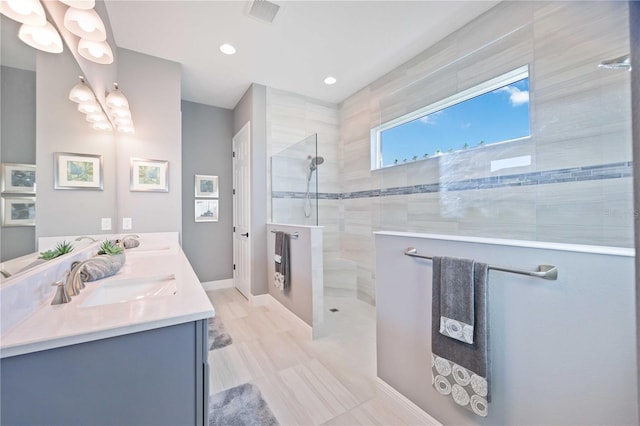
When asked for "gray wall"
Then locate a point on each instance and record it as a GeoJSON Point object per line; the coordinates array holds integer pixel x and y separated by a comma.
{"type": "Point", "coordinates": [562, 352]}
{"type": "Point", "coordinates": [18, 127]}
{"type": "Point", "coordinates": [61, 128]}
{"type": "Point", "coordinates": [252, 107]}
{"type": "Point", "coordinates": [634, 26]}
{"type": "Point", "coordinates": [152, 86]}
{"type": "Point", "coordinates": [206, 150]}
{"type": "Point", "coordinates": [155, 105]}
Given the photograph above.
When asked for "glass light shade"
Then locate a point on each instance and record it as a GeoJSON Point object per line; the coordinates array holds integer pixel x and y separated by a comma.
{"type": "Point", "coordinates": [96, 117]}
{"type": "Point", "coordinates": [85, 24]}
{"type": "Point", "coordinates": [28, 12]}
{"type": "Point", "coordinates": [126, 122]}
{"type": "Point", "coordinates": [81, 93]}
{"type": "Point", "coordinates": [127, 129]}
{"type": "Point", "coordinates": [117, 101]}
{"type": "Point", "coordinates": [102, 125]}
{"type": "Point", "coordinates": [89, 107]}
{"type": "Point", "coordinates": [44, 37]}
{"type": "Point", "coordinates": [120, 112]}
{"type": "Point", "coordinates": [80, 4]}
{"type": "Point", "coordinates": [95, 51]}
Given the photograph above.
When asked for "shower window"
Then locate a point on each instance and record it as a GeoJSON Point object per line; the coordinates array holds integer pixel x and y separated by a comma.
{"type": "Point", "coordinates": [494, 111]}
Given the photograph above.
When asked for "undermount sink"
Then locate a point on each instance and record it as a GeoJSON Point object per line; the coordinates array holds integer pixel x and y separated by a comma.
{"type": "Point", "coordinates": [127, 290]}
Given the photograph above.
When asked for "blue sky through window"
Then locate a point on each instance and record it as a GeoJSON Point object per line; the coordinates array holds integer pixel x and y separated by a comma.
{"type": "Point", "coordinates": [496, 116]}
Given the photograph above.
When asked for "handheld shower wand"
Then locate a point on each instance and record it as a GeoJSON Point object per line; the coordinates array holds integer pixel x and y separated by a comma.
{"type": "Point", "coordinates": [314, 162]}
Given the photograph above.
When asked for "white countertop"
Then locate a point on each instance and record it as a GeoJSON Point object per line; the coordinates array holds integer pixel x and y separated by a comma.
{"type": "Point", "coordinates": [67, 324]}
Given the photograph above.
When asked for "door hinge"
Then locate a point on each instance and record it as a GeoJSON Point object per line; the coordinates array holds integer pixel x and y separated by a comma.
{"type": "Point", "coordinates": [234, 266]}
{"type": "Point", "coordinates": [233, 154]}
{"type": "Point", "coordinates": [234, 229]}
{"type": "Point", "coordinates": [234, 191]}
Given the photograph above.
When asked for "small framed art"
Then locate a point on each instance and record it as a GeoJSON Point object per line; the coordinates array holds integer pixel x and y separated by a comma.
{"type": "Point", "coordinates": [18, 211]}
{"type": "Point", "coordinates": [206, 210]}
{"type": "Point", "coordinates": [77, 171]}
{"type": "Point", "coordinates": [18, 178]}
{"type": "Point", "coordinates": [206, 186]}
{"type": "Point", "coordinates": [149, 175]}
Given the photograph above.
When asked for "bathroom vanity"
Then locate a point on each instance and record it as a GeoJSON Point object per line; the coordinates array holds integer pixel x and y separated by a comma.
{"type": "Point", "coordinates": [129, 349]}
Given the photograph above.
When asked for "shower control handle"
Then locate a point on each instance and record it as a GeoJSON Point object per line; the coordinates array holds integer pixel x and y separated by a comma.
{"type": "Point", "coordinates": [246, 234]}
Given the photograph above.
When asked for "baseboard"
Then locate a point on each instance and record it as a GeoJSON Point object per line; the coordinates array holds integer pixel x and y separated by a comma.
{"type": "Point", "coordinates": [285, 312]}
{"type": "Point", "coordinates": [217, 285]}
{"type": "Point", "coordinates": [403, 401]}
{"type": "Point", "coordinates": [259, 300]}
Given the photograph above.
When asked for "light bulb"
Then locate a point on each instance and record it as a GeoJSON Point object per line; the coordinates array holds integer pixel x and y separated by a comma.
{"type": "Point", "coordinates": [28, 12]}
{"type": "Point", "coordinates": [87, 25]}
{"type": "Point", "coordinates": [102, 125]}
{"type": "Point", "coordinates": [89, 107]}
{"type": "Point", "coordinates": [127, 129]}
{"type": "Point", "coordinates": [81, 92]}
{"type": "Point", "coordinates": [96, 117]}
{"type": "Point", "coordinates": [124, 122]}
{"type": "Point", "coordinates": [42, 36]}
{"type": "Point", "coordinates": [96, 51]}
{"type": "Point", "coordinates": [120, 112]}
{"type": "Point", "coordinates": [116, 100]}
{"type": "Point", "coordinates": [20, 6]}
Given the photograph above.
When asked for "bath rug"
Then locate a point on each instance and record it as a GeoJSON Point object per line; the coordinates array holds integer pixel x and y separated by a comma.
{"type": "Point", "coordinates": [218, 336]}
{"type": "Point", "coordinates": [240, 406]}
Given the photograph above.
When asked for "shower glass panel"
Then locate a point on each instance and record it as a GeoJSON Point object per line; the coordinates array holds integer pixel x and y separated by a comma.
{"type": "Point", "coordinates": [294, 183]}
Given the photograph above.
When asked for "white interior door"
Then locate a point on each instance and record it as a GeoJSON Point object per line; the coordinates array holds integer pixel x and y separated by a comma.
{"type": "Point", "coordinates": [242, 210]}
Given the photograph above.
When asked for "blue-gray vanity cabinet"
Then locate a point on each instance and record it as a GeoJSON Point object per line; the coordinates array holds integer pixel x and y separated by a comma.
{"type": "Point", "coordinates": [155, 377]}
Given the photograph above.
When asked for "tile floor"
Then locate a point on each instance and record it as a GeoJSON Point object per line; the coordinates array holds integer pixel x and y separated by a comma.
{"type": "Point", "coordinates": [328, 381]}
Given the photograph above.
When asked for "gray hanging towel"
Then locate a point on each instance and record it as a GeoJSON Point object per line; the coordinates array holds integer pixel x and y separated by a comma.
{"type": "Point", "coordinates": [456, 298]}
{"type": "Point", "coordinates": [282, 277]}
{"type": "Point", "coordinates": [462, 370]}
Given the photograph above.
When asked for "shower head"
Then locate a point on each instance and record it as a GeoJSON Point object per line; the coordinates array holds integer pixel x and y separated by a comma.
{"type": "Point", "coordinates": [315, 162]}
{"type": "Point", "coordinates": [621, 63]}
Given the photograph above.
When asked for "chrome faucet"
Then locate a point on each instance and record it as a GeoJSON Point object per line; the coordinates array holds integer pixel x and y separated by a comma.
{"type": "Point", "coordinates": [74, 281]}
{"type": "Point", "coordinates": [84, 237]}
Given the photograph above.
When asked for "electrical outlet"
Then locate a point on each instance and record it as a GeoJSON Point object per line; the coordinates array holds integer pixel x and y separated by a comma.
{"type": "Point", "coordinates": [126, 223]}
{"type": "Point", "coordinates": [106, 224]}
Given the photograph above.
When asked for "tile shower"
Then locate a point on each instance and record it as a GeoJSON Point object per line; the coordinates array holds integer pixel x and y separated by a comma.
{"type": "Point", "coordinates": [578, 187]}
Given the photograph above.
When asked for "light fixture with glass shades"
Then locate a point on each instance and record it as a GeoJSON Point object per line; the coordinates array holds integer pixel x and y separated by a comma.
{"type": "Point", "coordinates": [28, 12]}
{"type": "Point", "coordinates": [41, 37]}
{"type": "Point", "coordinates": [81, 92]}
{"type": "Point", "coordinates": [85, 23]}
{"type": "Point", "coordinates": [95, 51]}
{"type": "Point", "coordinates": [80, 4]}
{"type": "Point", "coordinates": [119, 111]}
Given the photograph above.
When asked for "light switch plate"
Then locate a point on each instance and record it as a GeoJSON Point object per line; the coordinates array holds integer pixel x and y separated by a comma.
{"type": "Point", "coordinates": [106, 224]}
{"type": "Point", "coordinates": [126, 223]}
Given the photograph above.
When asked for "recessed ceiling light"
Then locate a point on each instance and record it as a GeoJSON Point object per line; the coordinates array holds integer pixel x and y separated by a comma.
{"type": "Point", "coordinates": [227, 49]}
{"type": "Point", "coordinates": [330, 80]}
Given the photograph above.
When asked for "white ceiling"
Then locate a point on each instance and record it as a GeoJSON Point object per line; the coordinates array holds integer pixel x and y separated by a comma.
{"type": "Point", "coordinates": [355, 41]}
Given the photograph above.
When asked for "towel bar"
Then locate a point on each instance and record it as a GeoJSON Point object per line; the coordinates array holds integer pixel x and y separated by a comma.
{"type": "Point", "coordinates": [547, 272]}
{"type": "Point", "coordinates": [294, 235]}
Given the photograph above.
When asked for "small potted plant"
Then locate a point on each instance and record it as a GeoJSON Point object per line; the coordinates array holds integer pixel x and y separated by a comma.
{"type": "Point", "coordinates": [62, 248]}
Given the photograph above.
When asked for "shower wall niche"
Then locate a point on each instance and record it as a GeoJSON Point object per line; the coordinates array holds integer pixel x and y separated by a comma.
{"type": "Point", "coordinates": [294, 183]}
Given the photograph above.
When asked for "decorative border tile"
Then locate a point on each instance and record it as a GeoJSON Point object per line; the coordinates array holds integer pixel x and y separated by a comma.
{"type": "Point", "coordinates": [575, 174]}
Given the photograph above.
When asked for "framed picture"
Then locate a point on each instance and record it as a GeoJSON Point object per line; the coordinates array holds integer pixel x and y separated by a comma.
{"type": "Point", "coordinates": [206, 210]}
{"type": "Point", "coordinates": [77, 171]}
{"type": "Point", "coordinates": [206, 186]}
{"type": "Point", "coordinates": [18, 211]}
{"type": "Point", "coordinates": [18, 178]}
{"type": "Point", "coordinates": [149, 175]}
